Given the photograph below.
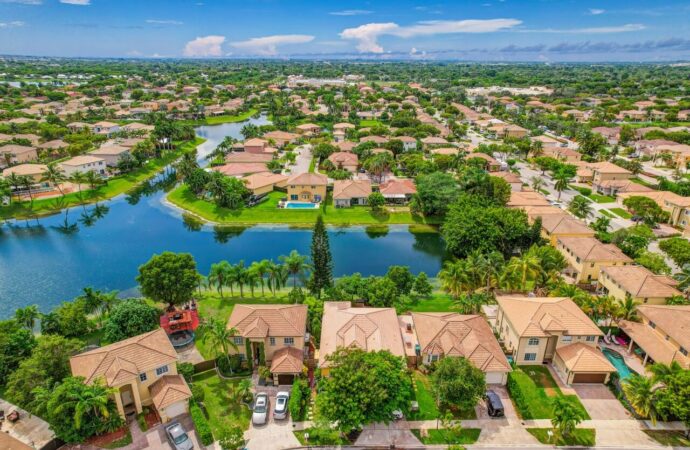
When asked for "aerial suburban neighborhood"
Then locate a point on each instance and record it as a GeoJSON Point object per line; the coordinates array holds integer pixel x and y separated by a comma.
{"type": "Point", "coordinates": [367, 247]}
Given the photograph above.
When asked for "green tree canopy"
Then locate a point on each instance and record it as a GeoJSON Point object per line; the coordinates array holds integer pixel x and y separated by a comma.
{"type": "Point", "coordinates": [130, 318]}
{"type": "Point", "coordinates": [169, 277]}
{"type": "Point", "coordinates": [458, 383]}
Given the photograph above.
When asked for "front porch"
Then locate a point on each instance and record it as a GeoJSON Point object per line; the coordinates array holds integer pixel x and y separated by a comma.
{"type": "Point", "coordinates": [128, 401]}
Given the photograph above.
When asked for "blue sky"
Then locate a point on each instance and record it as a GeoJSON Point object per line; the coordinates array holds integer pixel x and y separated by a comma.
{"type": "Point", "coordinates": [496, 30]}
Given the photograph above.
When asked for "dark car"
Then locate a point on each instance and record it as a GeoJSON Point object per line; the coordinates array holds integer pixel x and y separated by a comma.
{"type": "Point", "coordinates": [494, 405]}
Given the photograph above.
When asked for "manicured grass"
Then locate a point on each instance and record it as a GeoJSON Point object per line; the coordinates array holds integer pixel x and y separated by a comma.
{"type": "Point", "coordinates": [224, 412]}
{"type": "Point", "coordinates": [123, 441]}
{"type": "Point", "coordinates": [441, 436]}
{"type": "Point", "coordinates": [607, 213]}
{"type": "Point", "coordinates": [642, 182]}
{"type": "Point", "coordinates": [581, 436]}
{"type": "Point", "coordinates": [216, 120]}
{"type": "Point", "coordinates": [438, 302]}
{"type": "Point", "coordinates": [268, 212]}
{"type": "Point", "coordinates": [427, 402]}
{"type": "Point", "coordinates": [370, 123]}
{"type": "Point", "coordinates": [602, 198]}
{"type": "Point", "coordinates": [312, 165]}
{"type": "Point", "coordinates": [116, 186]}
{"type": "Point", "coordinates": [331, 437]}
{"type": "Point", "coordinates": [669, 438]}
{"type": "Point", "coordinates": [533, 389]}
{"type": "Point", "coordinates": [621, 212]}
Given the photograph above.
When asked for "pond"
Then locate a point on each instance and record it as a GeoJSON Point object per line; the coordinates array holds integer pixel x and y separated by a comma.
{"type": "Point", "coordinates": [51, 259]}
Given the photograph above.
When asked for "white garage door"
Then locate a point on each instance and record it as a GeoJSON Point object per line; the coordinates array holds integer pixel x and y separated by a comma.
{"type": "Point", "coordinates": [176, 409]}
{"type": "Point", "coordinates": [494, 378]}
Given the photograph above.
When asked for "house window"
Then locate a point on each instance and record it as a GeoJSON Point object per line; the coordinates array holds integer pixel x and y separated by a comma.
{"type": "Point", "coordinates": [294, 197]}
{"type": "Point", "coordinates": [533, 341]}
{"type": "Point", "coordinates": [272, 341]}
{"type": "Point", "coordinates": [567, 339]}
{"type": "Point", "coordinates": [652, 324]}
{"type": "Point", "coordinates": [433, 358]}
{"type": "Point", "coordinates": [530, 356]}
{"type": "Point", "coordinates": [289, 341]}
{"type": "Point", "coordinates": [161, 370]}
{"type": "Point", "coordinates": [591, 338]}
{"type": "Point", "coordinates": [142, 377]}
{"type": "Point", "coordinates": [238, 340]}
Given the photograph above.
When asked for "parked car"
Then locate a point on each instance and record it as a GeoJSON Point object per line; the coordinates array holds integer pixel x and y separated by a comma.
{"type": "Point", "coordinates": [178, 437]}
{"type": "Point", "coordinates": [260, 414]}
{"type": "Point", "coordinates": [494, 405]}
{"type": "Point", "coordinates": [281, 409]}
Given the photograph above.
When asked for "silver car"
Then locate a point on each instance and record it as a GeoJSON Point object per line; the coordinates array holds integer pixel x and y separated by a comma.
{"type": "Point", "coordinates": [178, 437]}
{"type": "Point", "coordinates": [281, 410]}
{"type": "Point", "coordinates": [261, 406]}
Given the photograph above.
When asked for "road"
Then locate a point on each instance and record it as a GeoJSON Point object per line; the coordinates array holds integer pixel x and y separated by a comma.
{"type": "Point", "coordinates": [303, 160]}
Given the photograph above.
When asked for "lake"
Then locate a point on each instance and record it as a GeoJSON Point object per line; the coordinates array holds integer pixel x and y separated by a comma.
{"type": "Point", "coordinates": [51, 259]}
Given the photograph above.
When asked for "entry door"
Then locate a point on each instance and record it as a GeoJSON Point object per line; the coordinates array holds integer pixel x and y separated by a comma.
{"type": "Point", "coordinates": [127, 398]}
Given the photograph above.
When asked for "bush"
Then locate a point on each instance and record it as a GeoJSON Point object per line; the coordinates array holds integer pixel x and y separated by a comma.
{"type": "Point", "coordinates": [299, 399]}
{"type": "Point", "coordinates": [203, 429]}
{"type": "Point", "coordinates": [197, 393]}
{"type": "Point", "coordinates": [583, 190]}
{"type": "Point", "coordinates": [186, 370]}
{"type": "Point", "coordinates": [227, 366]}
{"type": "Point", "coordinates": [678, 249]}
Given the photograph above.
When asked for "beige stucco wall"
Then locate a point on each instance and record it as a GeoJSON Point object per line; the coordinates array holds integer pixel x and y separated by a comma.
{"type": "Point", "coordinates": [306, 193]}
{"type": "Point", "coordinates": [268, 348]}
{"type": "Point", "coordinates": [619, 293]}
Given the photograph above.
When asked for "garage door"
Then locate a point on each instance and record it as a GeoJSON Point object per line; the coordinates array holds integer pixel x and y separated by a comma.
{"type": "Point", "coordinates": [176, 409]}
{"type": "Point", "coordinates": [589, 378]}
{"type": "Point", "coordinates": [285, 379]}
{"type": "Point", "coordinates": [494, 378]}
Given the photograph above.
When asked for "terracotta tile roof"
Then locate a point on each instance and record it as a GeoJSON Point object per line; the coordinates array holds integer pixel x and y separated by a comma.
{"type": "Point", "coordinates": [452, 334]}
{"type": "Point", "coordinates": [376, 139]}
{"type": "Point", "coordinates": [564, 224]}
{"type": "Point", "coordinates": [640, 282]}
{"type": "Point", "coordinates": [659, 349]}
{"type": "Point", "coordinates": [625, 186]}
{"type": "Point", "coordinates": [262, 179]}
{"type": "Point", "coordinates": [509, 177]}
{"type": "Point", "coordinates": [445, 151]}
{"type": "Point", "coordinates": [674, 320]}
{"type": "Point", "coordinates": [660, 197]}
{"type": "Point", "coordinates": [81, 160]}
{"type": "Point", "coordinates": [484, 156]}
{"type": "Point", "coordinates": [538, 211]}
{"type": "Point", "coordinates": [591, 249]}
{"type": "Point", "coordinates": [347, 189]}
{"type": "Point", "coordinates": [344, 158]}
{"type": "Point", "coordinates": [245, 157]}
{"type": "Point", "coordinates": [540, 316]}
{"type": "Point", "coordinates": [580, 357]}
{"type": "Point", "coordinates": [307, 178]}
{"type": "Point", "coordinates": [109, 150]}
{"type": "Point", "coordinates": [370, 329]}
{"type": "Point", "coordinates": [281, 135]}
{"type": "Point", "coordinates": [25, 169]}
{"type": "Point", "coordinates": [287, 360]}
{"type": "Point", "coordinates": [168, 390]}
{"type": "Point", "coordinates": [126, 359]}
{"type": "Point", "coordinates": [526, 198]}
{"type": "Point", "coordinates": [255, 142]}
{"type": "Point", "coordinates": [269, 320]}
{"type": "Point", "coordinates": [398, 187]}
{"type": "Point", "coordinates": [235, 169]}
{"type": "Point", "coordinates": [16, 149]}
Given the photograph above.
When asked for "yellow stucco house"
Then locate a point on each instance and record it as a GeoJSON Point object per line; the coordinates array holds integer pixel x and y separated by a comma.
{"type": "Point", "coordinates": [587, 255]}
{"type": "Point", "coordinates": [307, 187]}
{"type": "Point", "coordinates": [556, 226]}
{"type": "Point", "coordinates": [552, 329]}
{"type": "Point", "coordinates": [144, 372]}
{"type": "Point", "coordinates": [638, 282]}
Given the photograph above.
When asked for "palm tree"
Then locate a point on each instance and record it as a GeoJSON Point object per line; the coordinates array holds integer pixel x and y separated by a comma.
{"type": "Point", "coordinates": [566, 416]}
{"type": "Point", "coordinates": [296, 265]}
{"type": "Point", "coordinates": [261, 270]}
{"type": "Point", "coordinates": [54, 175]}
{"type": "Point", "coordinates": [453, 276]}
{"type": "Point", "coordinates": [244, 388]}
{"type": "Point", "coordinates": [641, 393]}
{"type": "Point", "coordinates": [219, 274]}
{"type": "Point", "coordinates": [251, 278]}
{"type": "Point", "coordinates": [490, 266]}
{"type": "Point", "coordinates": [522, 270]}
{"type": "Point", "coordinates": [93, 179]}
{"type": "Point", "coordinates": [239, 276]}
{"type": "Point", "coordinates": [536, 183]}
{"type": "Point", "coordinates": [627, 309]}
{"type": "Point", "coordinates": [27, 183]}
{"type": "Point", "coordinates": [663, 371]}
{"type": "Point", "coordinates": [683, 277]}
{"type": "Point", "coordinates": [274, 277]}
{"type": "Point", "coordinates": [27, 316]}
{"type": "Point", "coordinates": [214, 332]}
{"type": "Point", "coordinates": [562, 179]}
{"type": "Point", "coordinates": [92, 400]}
{"type": "Point", "coordinates": [14, 180]}
{"type": "Point", "coordinates": [78, 178]}
{"type": "Point", "coordinates": [580, 206]}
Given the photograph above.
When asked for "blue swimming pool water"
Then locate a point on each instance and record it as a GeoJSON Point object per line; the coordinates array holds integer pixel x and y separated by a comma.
{"type": "Point", "coordinates": [618, 362]}
{"type": "Point", "coordinates": [301, 205]}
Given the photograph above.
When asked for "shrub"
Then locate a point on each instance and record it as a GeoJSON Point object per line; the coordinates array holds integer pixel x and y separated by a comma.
{"type": "Point", "coordinates": [186, 370]}
{"type": "Point", "coordinates": [197, 393]}
{"type": "Point", "coordinates": [678, 249]}
{"type": "Point", "coordinates": [583, 190]}
{"type": "Point", "coordinates": [225, 365]}
{"type": "Point", "coordinates": [299, 399]}
{"type": "Point", "coordinates": [203, 429]}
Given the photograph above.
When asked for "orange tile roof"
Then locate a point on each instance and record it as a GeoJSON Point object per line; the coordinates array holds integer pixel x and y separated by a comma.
{"type": "Point", "coordinates": [580, 357]}
{"type": "Point", "coordinates": [269, 320]}
{"type": "Point", "coordinates": [168, 390]}
{"type": "Point", "coordinates": [287, 360]}
{"type": "Point", "coordinates": [640, 282]}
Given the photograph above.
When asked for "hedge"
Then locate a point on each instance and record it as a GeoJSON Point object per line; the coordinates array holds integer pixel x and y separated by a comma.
{"type": "Point", "coordinates": [531, 402]}
{"type": "Point", "coordinates": [299, 399]}
{"type": "Point", "coordinates": [203, 429]}
{"type": "Point", "coordinates": [678, 249]}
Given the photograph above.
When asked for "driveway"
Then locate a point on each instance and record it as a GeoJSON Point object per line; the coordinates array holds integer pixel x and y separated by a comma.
{"type": "Point", "coordinates": [275, 435]}
{"type": "Point", "coordinates": [600, 402]}
{"type": "Point", "coordinates": [395, 435]}
{"type": "Point", "coordinates": [302, 161]}
{"type": "Point", "coordinates": [507, 430]}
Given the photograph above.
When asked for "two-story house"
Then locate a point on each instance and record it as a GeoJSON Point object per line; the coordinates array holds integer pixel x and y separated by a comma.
{"type": "Point", "coordinates": [587, 255]}
{"type": "Point", "coordinates": [307, 187]}
{"type": "Point", "coordinates": [552, 329]}
{"type": "Point", "coordinates": [639, 283]}
{"type": "Point", "coordinates": [143, 371]}
{"type": "Point", "coordinates": [556, 226]}
{"type": "Point", "coordinates": [274, 333]}
{"type": "Point", "coordinates": [663, 333]}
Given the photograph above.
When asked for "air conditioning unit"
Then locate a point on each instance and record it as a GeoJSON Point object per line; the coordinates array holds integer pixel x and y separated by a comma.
{"type": "Point", "coordinates": [306, 337]}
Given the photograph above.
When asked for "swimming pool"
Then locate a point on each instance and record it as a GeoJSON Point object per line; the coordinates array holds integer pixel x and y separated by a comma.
{"type": "Point", "coordinates": [301, 205]}
{"type": "Point", "coordinates": [618, 362]}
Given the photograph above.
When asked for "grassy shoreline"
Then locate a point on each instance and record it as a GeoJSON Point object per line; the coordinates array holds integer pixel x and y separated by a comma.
{"type": "Point", "coordinates": [217, 120]}
{"type": "Point", "coordinates": [116, 186]}
{"type": "Point", "coordinates": [268, 213]}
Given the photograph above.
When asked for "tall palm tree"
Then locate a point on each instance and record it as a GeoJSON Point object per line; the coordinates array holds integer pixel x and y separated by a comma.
{"type": "Point", "coordinates": [239, 276]}
{"type": "Point", "coordinates": [54, 175]}
{"type": "Point", "coordinates": [14, 180]}
{"type": "Point", "coordinates": [261, 270]}
{"type": "Point", "coordinates": [520, 271]}
{"type": "Point", "coordinates": [296, 265]}
{"type": "Point", "coordinates": [27, 183]}
{"type": "Point", "coordinates": [251, 279]}
{"type": "Point", "coordinates": [92, 400]}
{"type": "Point", "coordinates": [580, 206]}
{"type": "Point", "coordinates": [218, 276]}
{"type": "Point", "coordinates": [78, 178]}
{"type": "Point", "coordinates": [561, 182]}
{"type": "Point", "coordinates": [453, 277]}
{"type": "Point", "coordinates": [27, 316]}
{"type": "Point", "coordinates": [683, 277]}
{"type": "Point", "coordinates": [566, 416]}
{"type": "Point", "coordinates": [627, 309]}
{"type": "Point", "coordinates": [93, 179]}
{"type": "Point", "coordinates": [663, 371]}
{"type": "Point", "coordinates": [274, 277]}
{"type": "Point", "coordinates": [221, 338]}
{"type": "Point", "coordinates": [491, 266]}
{"type": "Point", "coordinates": [536, 183]}
{"type": "Point", "coordinates": [641, 393]}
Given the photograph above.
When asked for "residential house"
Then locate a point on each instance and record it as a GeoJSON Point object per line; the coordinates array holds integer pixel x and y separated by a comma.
{"type": "Point", "coordinates": [434, 140]}
{"type": "Point", "coordinates": [597, 172]}
{"type": "Point", "coordinates": [257, 145]}
{"type": "Point", "coordinates": [632, 115]}
{"type": "Point", "coordinates": [264, 182]}
{"type": "Point", "coordinates": [552, 329]}
{"type": "Point", "coordinates": [663, 333]}
{"type": "Point", "coordinates": [563, 154]}
{"type": "Point", "coordinates": [508, 130]}
{"type": "Point", "coordinates": [308, 129]}
{"type": "Point", "coordinates": [369, 329]}
{"type": "Point", "coordinates": [307, 187]}
{"type": "Point", "coordinates": [512, 179]}
{"type": "Point", "coordinates": [469, 336]}
{"type": "Point", "coordinates": [17, 154]}
{"type": "Point", "coordinates": [398, 190]}
{"type": "Point", "coordinates": [142, 370]}
{"type": "Point", "coordinates": [281, 138]}
{"type": "Point", "coordinates": [83, 163]}
{"type": "Point", "coordinates": [345, 161]}
{"type": "Point", "coordinates": [33, 171]}
{"type": "Point", "coordinates": [378, 140]}
{"type": "Point", "coordinates": [612, 134]}
{"type": "Point", "coordinates": [351, 192]}
{"type": "Point", "coordinates": [490, 163]}
{"type": "Point", "coordinates": [526, 199]}
{"type": "Point", "coordinates": [615, 187]}
{"type": "Point", "coordinates": [274, 333]}
{"type": "Point", "coordinates": [246, 157]}
{"type": "Point", "coordinates": [547, 141]}
{"type": "Point", "coordinates": [556, 226]}
{"type": "Point", "coordinates": [241, 169]}
{"type": "Point", "coordinates": [111, 154]}
{"type": "Point", "coordinates": [587, 255]}
{"type": "Point", "coordinates": [684, 114]}
{"type": "Point", "coordinates": [409, 143]}
{"type": "Point", "coordinates": [637, 282]}
{"type": "Point", "coordinates": [105, 127]}
{"type": "Point", "coordinates": [53, 146]}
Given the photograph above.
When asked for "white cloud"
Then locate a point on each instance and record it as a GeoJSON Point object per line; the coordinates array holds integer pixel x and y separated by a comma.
{"type": "Point", "coordinates": [76, 2]}
{"type": "Point", "coordinates": [204, 46]}
{"type": "Point", "coordinates": [268, 45]}
{"type": "Point", "coordinates": [367, 35]}
{"type": "Point", "coordinates": [592, 30]}
{"type": "Point", "coordinates": [24, 2]}
{"type": "Point", "coordinates": [596, 11]}
{"type": "Point", "coordinates": [13, 24]}
{"type": "Point", "coordinates": [351, 12]}
{"type": "Point", "coordinates": [164, 22]}
{"type": "Point", "coordinates": [133, 53]}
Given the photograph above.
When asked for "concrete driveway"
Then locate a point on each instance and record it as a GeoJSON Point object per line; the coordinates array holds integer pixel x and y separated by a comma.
{"type": "Point", "coordinates": [302, 161]}
{"type": "Point", "coordinates": [600, 402]}
{"type": "Point", "coordinates": [507, 430]}
{"type": "Point", "coordinates": [275, 435]}
{"type": "Point", "coordinates": [395, 434]}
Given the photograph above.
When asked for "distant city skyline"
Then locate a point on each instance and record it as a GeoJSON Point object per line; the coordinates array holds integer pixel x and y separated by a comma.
{"type": "Point", "coordinates": [492, 30]}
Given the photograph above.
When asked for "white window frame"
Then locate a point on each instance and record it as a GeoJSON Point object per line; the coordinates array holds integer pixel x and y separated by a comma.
{"type": "Point", "coordinates": [271, 341]}
{"type": "Point", "coordinates": [238, 340]}
{"type": "Point", "coordinates": [566, 339]}
{"type": "Point", "coordinates": [527, 355]}
{"type": "Point", "coordinates": [533, 342]}
{"type": "Point", "coordinates": [289, 340]}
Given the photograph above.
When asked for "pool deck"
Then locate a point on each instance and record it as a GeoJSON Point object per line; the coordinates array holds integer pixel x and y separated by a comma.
{"type": "Point", "coordinates": [631, 360]}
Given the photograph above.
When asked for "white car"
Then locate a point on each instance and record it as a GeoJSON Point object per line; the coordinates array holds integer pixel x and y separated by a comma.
{"type": "Point", "coordinates": [261, 406]}
{"type": "Point", "coordinates": [281, 409]}
{"type": "Point", "coordinates": [178, 437]}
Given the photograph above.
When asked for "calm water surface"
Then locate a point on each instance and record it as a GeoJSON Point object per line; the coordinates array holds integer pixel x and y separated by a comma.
{"type": "Point", "coordinates": [50, 260]}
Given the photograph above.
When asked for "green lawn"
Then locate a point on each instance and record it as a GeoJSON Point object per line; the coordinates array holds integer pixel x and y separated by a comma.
{"type": "Point", "coordinates": [216, 120]}
{"type": "Point", "coordinates": [331, 437]}
{"type": "Point", "coordinates": [122, 442]}
{"type": "Point", "coordinates": [607, 213]}
{"type": "Point", "coordinates": [370, 123]}
{"type": "Point", "coordinates": [582, 436]}
{"type": "Point", "coordinates": [427, 402]}
{"type": "Point", "coordinates": [116, 186]}
{"type": "Point", "coordinates": [533, 389]}
{"type": "Point", "coordinates": [312, 165]}
{"type": "Point", "coordinates": [643, 183]}
{"type": "Point", "coordinates": [223, 411]}
{"type": "Point", "coordinates": [602, 198]}
{"type": "Point", "coordinates": [669, 438]}
{"type": "Point", "coordinates": [268, 212]}
{"type": "Point", "coordinates": [621, 212]}
{"type": "Point", "coordinates": [441, 436]}
{"type": "Point", "coordinates": [439, 302]}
